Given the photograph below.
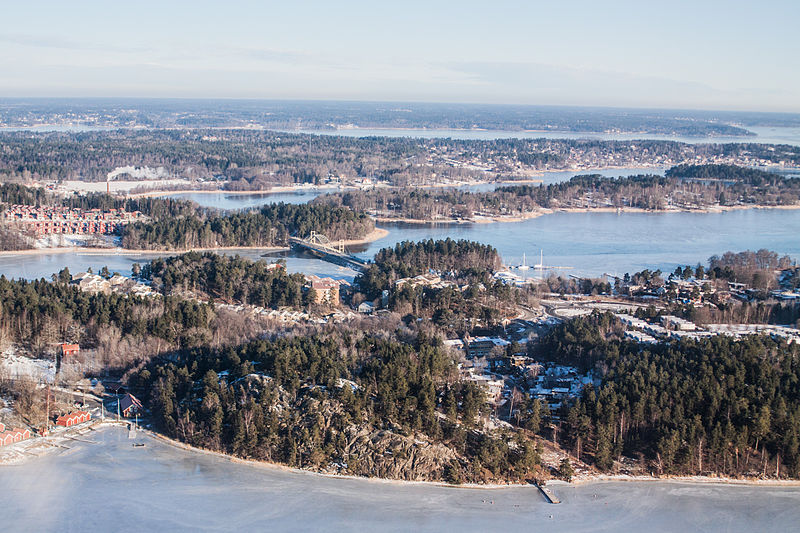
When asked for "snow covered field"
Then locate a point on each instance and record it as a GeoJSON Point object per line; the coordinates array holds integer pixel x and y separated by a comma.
{"type": "Point", "coordinates": [116, 486]}
{"type": "Point", "coordinates": [17, 365]}
{"type": "Point", "coordinates": [121, 185]}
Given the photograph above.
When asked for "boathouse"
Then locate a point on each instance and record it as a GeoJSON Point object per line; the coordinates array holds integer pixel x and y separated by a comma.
{"type": "Point", "coordinates": [71, 419]}
{"type": "Point", "coordinates": [129, 406]}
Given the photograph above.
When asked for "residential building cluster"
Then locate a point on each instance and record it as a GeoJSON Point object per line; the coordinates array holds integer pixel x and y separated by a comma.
{"type": "Point", "coordinates": [44, 220]}
{"type": "Point", "coordinates": [554, 384]}
{"type": "Point", "coordinates": [118, 283]}
{"type": "Point", "coordinates": [673, 327]}
{"type": "Point", "coordinates": [430, 281]}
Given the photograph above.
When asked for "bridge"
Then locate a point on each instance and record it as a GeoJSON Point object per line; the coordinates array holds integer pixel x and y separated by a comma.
{"type": "Point", "coordinates": [320, 246]}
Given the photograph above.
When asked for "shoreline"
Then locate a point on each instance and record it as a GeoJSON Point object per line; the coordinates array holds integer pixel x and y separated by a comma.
{"type": "Point", "coordinates": [256, 192]}
{"type": "Point", "coordinates": [597, 478]}
{"type": "Point", "coordinates": [577, 481]}
{"type": "Point", "coordinates": [380, 233]}
{"type": "Point", "coordinates": [532, 177]}
{"type": "Point", "coordinates": [129, 251]}
{"type": "Point", "coordinates": [480, 219]}
{"type": "Point", "coordinates": [374, 235]}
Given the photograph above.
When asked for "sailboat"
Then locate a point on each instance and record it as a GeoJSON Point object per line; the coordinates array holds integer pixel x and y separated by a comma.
{"type": "Point", "coordinates": [524, 265]}
{"type": "Point", "coordinates": [540, 266]}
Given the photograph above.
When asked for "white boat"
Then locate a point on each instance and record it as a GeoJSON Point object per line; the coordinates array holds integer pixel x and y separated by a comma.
{"type": "Point", "coordinates": [523, 266]}
{"type": "Point", "coordinates": [540, 266]}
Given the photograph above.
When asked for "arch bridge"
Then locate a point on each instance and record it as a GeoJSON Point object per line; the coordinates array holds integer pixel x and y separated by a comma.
{"type": "Point", "coordinates": [321, 246]}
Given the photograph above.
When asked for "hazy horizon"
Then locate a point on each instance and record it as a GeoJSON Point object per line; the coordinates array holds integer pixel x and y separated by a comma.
{"type": "Point", "coordinates": [123, 98]}
{"type": "Point", "coordinates": [727, 56]}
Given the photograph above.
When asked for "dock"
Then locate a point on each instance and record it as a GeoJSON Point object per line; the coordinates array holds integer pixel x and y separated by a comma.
{"type": "Point", "coordinates": [548, 494]}
{"type": "Point", "coordinates": [320, 246]}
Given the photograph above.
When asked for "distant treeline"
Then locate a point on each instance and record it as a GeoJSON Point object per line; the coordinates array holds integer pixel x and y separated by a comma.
{"type": "Point", "coordinates": [17, 194]}
{"type": "Point", "coordinates": [327, 115]}
{"type": "Point", "coordinates": [731, 185]}
{"type": "Point", "coordinates": [260, 159]}
{"type": "Point", "coordinates": [751, 176]}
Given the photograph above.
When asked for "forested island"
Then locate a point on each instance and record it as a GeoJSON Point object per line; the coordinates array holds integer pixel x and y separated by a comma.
{"type": "Point", "coordinates": [684, 187]}
{"type": "Point", "coordinates": [271, 225]}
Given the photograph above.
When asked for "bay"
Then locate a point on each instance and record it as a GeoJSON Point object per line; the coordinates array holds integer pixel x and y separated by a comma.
{"type": "Point", "coordinates": [591, 244]}
{"type": "Point", "coordinates": [110, 485]}
{"type": "Point", "coordinates": [764, 134]}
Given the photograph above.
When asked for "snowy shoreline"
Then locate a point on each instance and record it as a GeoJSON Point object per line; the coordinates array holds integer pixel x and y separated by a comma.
{"type": "Point", "coordinates": [586, 480]}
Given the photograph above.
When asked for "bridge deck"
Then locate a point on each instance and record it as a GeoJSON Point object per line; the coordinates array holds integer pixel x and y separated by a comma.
{"type": "Point", "coordinates": [329, 254]}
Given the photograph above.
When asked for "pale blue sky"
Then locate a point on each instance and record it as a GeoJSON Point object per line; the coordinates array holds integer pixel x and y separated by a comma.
{"type": "Point", "coordinates": [685, 54]}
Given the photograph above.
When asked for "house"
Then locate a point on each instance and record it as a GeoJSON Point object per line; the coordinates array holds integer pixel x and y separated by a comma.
{"type": "Point", "coordinates": [69, 350]}
{"type": "Point", "coordinates": [6, 438]}
{"type": "Point", "coordinates": [114, 387]}
{"type": "Point", "coordinates": [677, 323]}
{"type": "Point", "coordinates": [2, 427]}
{"type": "Point", "coordinates": [423, 280]}
{"type": "Point", "coordinates": [482, 346]}
{"type": "Point", "coordinates": [366, 308]}
{"type": "Point", "coordinates": [454, 344]}
{"type": "Point", "coordinates": [129, 406]}
{"type": "Point", "coordinates": [493, 387]}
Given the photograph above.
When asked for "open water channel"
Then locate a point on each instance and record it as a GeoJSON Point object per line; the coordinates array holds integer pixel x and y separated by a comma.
{"type": "Point", "coordinates": [589, 244]}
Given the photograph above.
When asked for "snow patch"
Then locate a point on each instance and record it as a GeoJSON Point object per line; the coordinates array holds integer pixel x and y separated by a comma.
{"type": "Point", "coordinates": [139, 172]}
{"type": "Point", "coordinates": [18, 366]}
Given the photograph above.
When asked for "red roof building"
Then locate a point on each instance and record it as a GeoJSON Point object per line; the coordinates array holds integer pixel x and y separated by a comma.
{"type": "Point", "coordinates": [78, 417]}
{"type": "Point", "coordinates": [14, 435]}
{"type": "Point", "coordinates": [69, 350]}
{"type": "Point", "coordinates": [129, 405]}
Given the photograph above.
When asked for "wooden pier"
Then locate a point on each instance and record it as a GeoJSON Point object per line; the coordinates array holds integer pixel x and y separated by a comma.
{"type": "Point", "coordinates": [548, 494]}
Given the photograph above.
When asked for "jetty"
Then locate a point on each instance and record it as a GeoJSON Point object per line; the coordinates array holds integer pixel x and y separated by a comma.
{"type": "Point", "coordinates": [548, 494]}
{"type": "Point", "coordinates": [320, 246]}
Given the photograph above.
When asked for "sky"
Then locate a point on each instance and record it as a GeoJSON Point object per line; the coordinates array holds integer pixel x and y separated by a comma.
{"type": "Point", "coordinates": [700, 54]}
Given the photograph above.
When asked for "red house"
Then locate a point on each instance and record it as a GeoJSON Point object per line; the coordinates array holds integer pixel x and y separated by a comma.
{"type": "Point", "coordinates": [6, 438]}
{"type": "Point", "coordinates": [69, 350]}
{"type": "Point", "coordinates": [2, 427]}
